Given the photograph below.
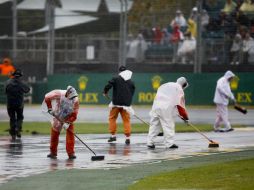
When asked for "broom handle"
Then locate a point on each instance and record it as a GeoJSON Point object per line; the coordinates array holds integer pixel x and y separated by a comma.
{"type": "Point", "coordinates": [141, 119]}
{"type": "Point", "coordinates": [83, 143]}
{"type": "Point", "coordinates": [189, 124]}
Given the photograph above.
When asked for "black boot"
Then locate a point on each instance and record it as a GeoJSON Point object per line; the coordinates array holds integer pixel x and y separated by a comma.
{"type": "Point", "coordinates": [127, 141]}
{"type": "Point", "coordinates": [173, 146]}
{"type": "Point", "coordinates": [19, 128]}
{"type": "Point", "coordinates": [151, 146]}
{"type": "Point", "coordinates": [12, 130]}
{"type": "Point", "coordinates": [13, 137]}
{"type": "Point", "coordinates": [52, 156]}
{"type": "Point", "coordinates": [112, 139]}
{"type": "Point", "coordinates": [72, 157]}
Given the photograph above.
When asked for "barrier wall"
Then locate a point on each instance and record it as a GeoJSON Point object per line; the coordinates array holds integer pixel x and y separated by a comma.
{"type": "Point", "coordinates": [200, 91]}
{"type": "Point", "coordinates": [90, 87]}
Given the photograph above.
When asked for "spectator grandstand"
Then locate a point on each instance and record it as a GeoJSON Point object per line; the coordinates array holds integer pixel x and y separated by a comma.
{"type": "Point", "coordinates": [160, 32]}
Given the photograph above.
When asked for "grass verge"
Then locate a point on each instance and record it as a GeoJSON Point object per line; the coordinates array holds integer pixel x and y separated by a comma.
{"type": "Point", "coordinates": [236, 175]}
{"type": "Point", "coordinates": [43, 128]}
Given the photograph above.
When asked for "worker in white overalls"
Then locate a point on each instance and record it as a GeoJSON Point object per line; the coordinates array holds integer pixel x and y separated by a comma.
{"type": "Point", "coordinates": [222, 96]}
{"type": "Point", "coordinates": [169, 98]}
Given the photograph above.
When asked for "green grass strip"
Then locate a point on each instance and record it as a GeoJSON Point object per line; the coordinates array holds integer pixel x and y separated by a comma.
{"type": "Point", "coordinates": [236, 175]}
{"type": "Point", "coordinates": [43, 128]}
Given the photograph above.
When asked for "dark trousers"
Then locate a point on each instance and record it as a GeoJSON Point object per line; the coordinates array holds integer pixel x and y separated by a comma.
{"type": "Point", "coordinates": [16, 118]}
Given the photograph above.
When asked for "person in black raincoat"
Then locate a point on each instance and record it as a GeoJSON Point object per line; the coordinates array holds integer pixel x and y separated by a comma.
{"type": "Point", "coordinates": [15, 90]}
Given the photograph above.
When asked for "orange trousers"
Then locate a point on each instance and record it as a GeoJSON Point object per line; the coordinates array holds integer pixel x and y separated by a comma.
{"type": "Point", "coordinates": [70, 141]}
{"type": "Point", "coordinates": [126, 121]}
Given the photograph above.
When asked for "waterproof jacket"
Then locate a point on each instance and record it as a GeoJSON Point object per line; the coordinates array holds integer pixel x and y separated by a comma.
{"type": "Point", "coordinates": [223, 92]}
{"type": "Point", "coordinates": [15, 90]}
{"type": "Point", "coordinates": [64, 108]}
{"type": "Point", "coordinates": [168, 96]}
{"type": "Point", "coordinates": [123, 89]}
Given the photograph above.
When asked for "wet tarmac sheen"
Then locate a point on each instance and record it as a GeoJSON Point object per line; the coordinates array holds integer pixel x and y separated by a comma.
{"type": "Point", "coordinates": [28, 156]}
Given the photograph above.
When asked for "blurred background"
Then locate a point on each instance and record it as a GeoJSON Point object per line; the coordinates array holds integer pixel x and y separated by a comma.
{"type": "Point", "coordinates": [83, 42]}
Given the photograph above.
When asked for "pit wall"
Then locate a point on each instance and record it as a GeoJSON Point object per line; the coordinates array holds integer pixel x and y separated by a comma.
{"type": "Point", "coordinates": [200, 91]}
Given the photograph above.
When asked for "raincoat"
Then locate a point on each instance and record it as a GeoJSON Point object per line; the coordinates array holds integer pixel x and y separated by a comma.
{"type": "Point", "coordinates": [168, 96]}
{"type": "Point", "coordinates": [65, 110]}
{"type": "Point", "coordinates": [223, 92]}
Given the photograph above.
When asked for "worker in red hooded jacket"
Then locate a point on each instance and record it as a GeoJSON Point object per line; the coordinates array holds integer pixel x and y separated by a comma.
{"type": "Point", "coordinates": [64, 106]}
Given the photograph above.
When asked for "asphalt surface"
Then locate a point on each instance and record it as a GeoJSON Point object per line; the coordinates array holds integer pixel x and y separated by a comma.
{"type": "Point", "coordinates": [99, 114]}
{"type": "Point", "coordinates": [28, 156]}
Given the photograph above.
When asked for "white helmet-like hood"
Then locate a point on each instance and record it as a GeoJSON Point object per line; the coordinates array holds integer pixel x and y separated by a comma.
{"type": "Point", "coordinates": [229, 74]}
{"type": "Point", "coordinates": [183, 82]}
{"type": "Point", "coordinates": [72, 92]}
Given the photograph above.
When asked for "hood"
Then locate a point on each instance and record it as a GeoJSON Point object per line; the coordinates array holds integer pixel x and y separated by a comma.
{"type": "Point", "coordinates": [126, 75]}
{"type": "Point", "coordinates": [182, 82]}
{"type": "Point", "coordinates": [229, 74]}
{"type": "Point", "coordinates": [72, 92]}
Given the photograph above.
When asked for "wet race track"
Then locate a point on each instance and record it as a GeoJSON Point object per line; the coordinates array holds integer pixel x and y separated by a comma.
{"type": "Point", "coordinates": [27, 156]}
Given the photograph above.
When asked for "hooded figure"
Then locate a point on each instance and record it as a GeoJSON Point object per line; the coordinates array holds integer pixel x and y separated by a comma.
{"type": "Point", "coordinates": [221, 99]}
{"type": "Point", "coordinates": [169, 98]}
{"type": "Point", "coordinates": [123, 91]}
{"type": "Point", "coordinates": [64, 106]}
{"type": "Point", "coordinates": [15, 90]}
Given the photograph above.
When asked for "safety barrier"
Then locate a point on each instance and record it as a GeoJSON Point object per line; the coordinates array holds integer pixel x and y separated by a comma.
{"type": "Point", "coordinates": [90, 87]}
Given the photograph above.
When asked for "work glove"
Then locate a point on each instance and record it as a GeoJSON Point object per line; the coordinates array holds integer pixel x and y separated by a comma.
{"type": "Point", "coordinates": [51, 112]}
{"type": "Point", "coordinates": [185, 120]}
{"type": "Point", "coordinates": [66, 126]}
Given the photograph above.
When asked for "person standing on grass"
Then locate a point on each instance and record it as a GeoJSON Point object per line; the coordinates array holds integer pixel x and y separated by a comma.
{"type": "Point", "coordinates": [15, 90]}
{"type": "Point", "coordinates": [123, 91]}
{"type": "Point", "coordinates": [64, 106]}
{"type": "Point", "coordinates": [168, 99]}
{"type": "Point", "coordinates": [222, 96]}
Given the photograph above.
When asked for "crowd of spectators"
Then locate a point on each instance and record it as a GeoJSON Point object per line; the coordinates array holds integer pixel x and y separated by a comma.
{"type": "Point", "coordinates": [230, 22]}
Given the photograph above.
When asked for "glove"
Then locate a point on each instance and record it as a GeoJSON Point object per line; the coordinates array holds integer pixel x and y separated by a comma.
{"type": "Point", "coordinates": [185, 120]}
{"type": "Point", "coordinates": [182, 112]}
{"type": "Point", "coordinates": [66, 126]}
{"type": "Point", "coordinates": [50, 111]}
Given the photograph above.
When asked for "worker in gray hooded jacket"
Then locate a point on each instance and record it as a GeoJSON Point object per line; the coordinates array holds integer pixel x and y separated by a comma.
{"type": "Point", "coordinates": [222, 96]}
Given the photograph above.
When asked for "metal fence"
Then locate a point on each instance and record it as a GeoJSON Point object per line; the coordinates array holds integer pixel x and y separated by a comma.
{"type": "Point", "coordinates": [150, 37]}
{"type": "Point", "coordinates": [67, 49]}
{"type": "Point", "coordinates": [83, 49]}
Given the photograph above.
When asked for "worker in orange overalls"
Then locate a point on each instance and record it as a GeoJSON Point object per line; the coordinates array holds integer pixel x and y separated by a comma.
{"type": "Point", "coordinates": [123, 91]}
{"type": "Point", "coordinates": [6, 67]}
{"type": "Point", "coordinates": [65, 110]}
